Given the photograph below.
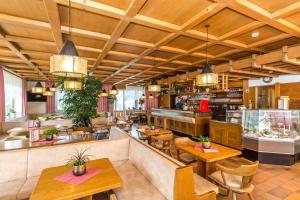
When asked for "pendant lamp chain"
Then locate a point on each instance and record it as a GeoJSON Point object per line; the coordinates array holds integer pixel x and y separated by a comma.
{"type": "Point", "coordinates": [206, 43]}
{"type": "Point", "coordinates": [70, 32]}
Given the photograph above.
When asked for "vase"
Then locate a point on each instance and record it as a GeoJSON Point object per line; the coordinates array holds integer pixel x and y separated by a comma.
{"type": "Point", "coordinates": [79, 170]}
{"type": "Point", "coordinates": [49, 137]}
{"type": "Point", "coordinates": [206, 145]}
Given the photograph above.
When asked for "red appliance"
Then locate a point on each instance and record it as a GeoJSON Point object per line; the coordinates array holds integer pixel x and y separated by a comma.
{"type": "Point", "coordinates": [204, 106]}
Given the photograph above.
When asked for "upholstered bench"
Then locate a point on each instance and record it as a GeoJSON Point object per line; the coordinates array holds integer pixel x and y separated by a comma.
{"type": "Point", "coordinates": [146, 173]}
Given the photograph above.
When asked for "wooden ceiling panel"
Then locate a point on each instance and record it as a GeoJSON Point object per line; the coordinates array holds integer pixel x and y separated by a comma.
{"type": "Point", "coordinates": [265, 32]}
{"type": "Point", "coordinates": [22, 31]}
{"type": "Point", "coordinates": [128, 48]}
{"type": "Point", "coordinates": [273, 5]}
{"type": "Point", "coordinates": [5, 52]}
{"type": "Point", "coordinates": [185, 43]}
{"type": "Point", "coordinates": [32, 9]}
{"type": "Point", "coordinates": [173, 12]}
{"type": "Point", "coordinates": [118, 58]}
{"type": "Point", "coordinates": [87, 42]}
{"type": "Point", "coordinates": [37, 47]}
{"type": "Point", "coordinates": [190, 59]}
{"type": "Point", "coordinates": [295, 19]}
{"type": "Point", "coordinates": [162, 54]}
{"type": "Point", "coordinates": [277, 45]}
{"type": "Point", "coordinates": [121, 4]}
{"type": "Point", "coordinates": [144, 33]}
{"type": "Point", "coordinates": [87, 54]}
{"type": "Point", "coordinates": [240, 55]}
{"type": "Point", "coordinates": [87, 20]}
{"type": "Point", "coordinates": [223, 22]}
{"type": "Point", "coordinates": [215, 49]}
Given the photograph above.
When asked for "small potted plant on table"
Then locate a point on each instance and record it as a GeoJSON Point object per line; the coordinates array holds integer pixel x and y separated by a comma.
{"type": "Point", "coordinates": [204, 140]}
{"type": "Point", "coordinates": [49, 134]}
{"type": "Point", "coordinates": [151, 126]}
{"type": "Point", "coordinates": [78, 160]}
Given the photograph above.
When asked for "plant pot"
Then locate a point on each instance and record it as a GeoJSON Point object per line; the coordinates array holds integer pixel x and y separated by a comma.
{"type": "Point", "coordinates": [79, 170]}
{"type": "Point", "coordinates": [49, 137]}
{"type": "Point", "coordinates": [206, 145]}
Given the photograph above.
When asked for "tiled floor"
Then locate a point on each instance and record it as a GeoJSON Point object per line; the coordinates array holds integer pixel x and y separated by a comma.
{"type": "Point", "coordinates": [272, 182]}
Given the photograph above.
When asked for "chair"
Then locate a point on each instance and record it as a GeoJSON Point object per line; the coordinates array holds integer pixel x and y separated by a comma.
{"type": "Point", "coordinates": [162, 142]}
{"type": "Point", "coordinates": [182, 156]}
{"type": "Point", "coordinates": [142, 136]}
{"type": "Point", "coordinates": [236, 180]}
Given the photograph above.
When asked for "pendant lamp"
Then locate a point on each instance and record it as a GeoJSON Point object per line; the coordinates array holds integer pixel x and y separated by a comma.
{"type": "Point", "coordinates": [154, 87]}
{"type": "Point", "coordinates": [72, 85]}
{"type": "Point", "coordinates": [150, 96]}
{"type": "Point", "coordinates": [207, 76]}
{"type": "Point", "coordinates": [68, 63]}
{"type": "Point", "coordinates": [47, 92]}
{"type": "Point", "coordinates": [53, 88]}
{"type": "Point", "coordinates": [143, 96]}
{"type": "Point", "coordinates": [38, 88]}
{"type": "Point", "coordinates": [113, 90]}
{"type": "Point", "coordinates": [103, 93]}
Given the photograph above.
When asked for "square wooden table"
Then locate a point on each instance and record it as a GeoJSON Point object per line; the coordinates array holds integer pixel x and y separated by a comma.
{"type": "Point", "coordinates": [206, 161]}
{"type": "Point", "coordinates": [154, 132]}
{"type": "Point", "coordinates": [49, 189]}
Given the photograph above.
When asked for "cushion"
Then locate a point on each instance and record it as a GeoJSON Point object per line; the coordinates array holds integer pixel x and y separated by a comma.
{"type": "Point", "coordinates": [203, 186]}
{"type": "Point", "coordinates": [27, 188]}
{"type": "Point", "coordinates": [233, 181]}
{"type": "Point", "coordinates": [10, 189]}
{"type": "Point", "coordinates": [135, 185]}
{"type": "Point", "coordinates": [13, 165]}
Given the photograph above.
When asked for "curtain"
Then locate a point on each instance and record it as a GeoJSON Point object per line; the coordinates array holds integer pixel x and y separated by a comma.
{"type": "Point", "coordinates": [24, 98]}
{"type": "Point", "coordinates": [103, 105]}
{"type": "Point", "coordinates": [2, 97]}
{"type": "Point", "coordinates": [150, 103]}
{"type": "Point", "coordinates": [50, 108]}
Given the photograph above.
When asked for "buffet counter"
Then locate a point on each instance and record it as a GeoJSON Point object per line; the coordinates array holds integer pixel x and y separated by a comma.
{"type": "Point", "coordinates": [186, 122]}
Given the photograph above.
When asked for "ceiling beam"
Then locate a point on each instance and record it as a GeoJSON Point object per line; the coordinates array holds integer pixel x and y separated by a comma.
{"type": "Point", "coordinates": [287, 11]}
{"type": "Point", "coordinates": [53, 16]}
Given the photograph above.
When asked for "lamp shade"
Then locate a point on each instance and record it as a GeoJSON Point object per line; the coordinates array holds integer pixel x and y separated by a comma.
{"type": "Point", "coordinates": [72, 85]}
{"type": "Point", "coordinates": [150, 96]}
{"type": "Point", "coordinates": [68, 63]}
{"type": "Point", "coordinates": [207, 77]}
{"type": "Point", "coordinates": [47, 92]}
{"type": "Point", "coordinates": [143, 96]}
{"type": "Point", "coordinates": [103, 93]}
{"type": "Point", "coordinates": [154, 87]}
{"type": "Point", "coordinates": [113, 90]}
{"type": "Point", "coordinates": [53, 88]}
{"type": "Point", "coordinates": [38, 88]}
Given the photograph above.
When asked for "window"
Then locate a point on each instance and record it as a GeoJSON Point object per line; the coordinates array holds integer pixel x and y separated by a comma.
{"type": "Point", "coordinates": [132, 94]}
{"type": "Point", "coordinates": [58, 95]}
{"type": "Point", "coordinates": [13, 95]}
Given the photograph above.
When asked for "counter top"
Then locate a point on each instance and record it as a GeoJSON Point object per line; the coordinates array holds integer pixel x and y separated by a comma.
{"type": "Point", "coordinates": [174, 110]}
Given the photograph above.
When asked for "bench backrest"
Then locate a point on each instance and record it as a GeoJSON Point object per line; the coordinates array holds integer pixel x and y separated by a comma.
{"type": "Point", "coordinates": [158, 168]}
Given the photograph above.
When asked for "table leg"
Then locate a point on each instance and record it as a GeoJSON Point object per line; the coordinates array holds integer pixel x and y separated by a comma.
{"type": "Point", "coordinates": [206, 170]}
{"type": "Point", "coordinates": [200, 168]}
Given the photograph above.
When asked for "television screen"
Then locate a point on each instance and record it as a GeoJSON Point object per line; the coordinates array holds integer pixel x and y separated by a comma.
{"type": "Point", "coordinates": [31, 97]}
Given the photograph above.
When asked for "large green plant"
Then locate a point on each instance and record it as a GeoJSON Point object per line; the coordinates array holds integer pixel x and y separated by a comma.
{"type": "Point", "coordinates": [81, 105]}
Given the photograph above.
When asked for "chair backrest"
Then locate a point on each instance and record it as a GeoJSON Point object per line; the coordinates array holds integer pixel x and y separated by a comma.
{"type": "Point", "coordinates": [183, 141]}
{"type": "Point", "coordinates": [165, 139]}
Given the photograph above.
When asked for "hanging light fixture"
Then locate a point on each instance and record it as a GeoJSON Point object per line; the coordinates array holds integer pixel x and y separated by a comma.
{"type": "Point", "coordinates": [53, 88]}
{"type": "Point", "coordinates": [150, 96]}
{"type": "Point", "coordinates": [38, 88]}
{"type": "Point", "coordinates": [68, 63]}
{"type": "Point", "coordinates": [143, 96]}
{"type": "Point", "coordinates": [207, 76]}
{"type": "Point", "coordinates": [113, 90]}
{"type": "Point", "coordinates": [154, 87]}
{"type": "Point", "coordinates": [103, 93]}
{"type": "Point", "coordinates": [72, 85]}
{"type": "Point", "coordinates": [47, 92]}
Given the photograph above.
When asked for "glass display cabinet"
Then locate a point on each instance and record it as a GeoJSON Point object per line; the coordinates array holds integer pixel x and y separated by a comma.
{"type": "Point", "coordinates": [272, 136]}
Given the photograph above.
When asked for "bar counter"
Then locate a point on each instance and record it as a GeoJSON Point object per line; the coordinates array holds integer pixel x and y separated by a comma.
{"type": "Point", "coordinates": [186, 122]}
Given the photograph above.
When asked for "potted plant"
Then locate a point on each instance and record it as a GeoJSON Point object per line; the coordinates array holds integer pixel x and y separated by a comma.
{"type": "Point", "coordinates": [204, 140]}
{"type": "Point", "coordinates": [78, 161]}
{"type": "Point", "coordinates": [49, 134]}
{"type": "Point", "coordinates": [151, 125]}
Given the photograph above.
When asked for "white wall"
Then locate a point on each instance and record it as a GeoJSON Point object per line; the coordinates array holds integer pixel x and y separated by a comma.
{"type": "Point", "coordinates": [279, 79]}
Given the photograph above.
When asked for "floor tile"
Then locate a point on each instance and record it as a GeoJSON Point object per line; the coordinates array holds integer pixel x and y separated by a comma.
{"type": "Point", "coordinates": [280, 192]}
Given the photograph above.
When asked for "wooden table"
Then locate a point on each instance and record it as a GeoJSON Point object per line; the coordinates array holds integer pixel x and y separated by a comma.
{"type": "Point", "coordinates": [155, 132]}
{"type": "Point", "coordinates": [49, 189]}
{"type": "Point", "coordinates": [206, 161]}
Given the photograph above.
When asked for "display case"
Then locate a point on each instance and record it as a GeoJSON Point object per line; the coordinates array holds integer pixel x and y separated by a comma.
{"type": "Point", "coordinates": [234, 116]}
{"type": "Point", "coordinates": [272, 134]}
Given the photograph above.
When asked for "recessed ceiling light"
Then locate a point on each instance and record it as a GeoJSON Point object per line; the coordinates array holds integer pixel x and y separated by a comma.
{"type": "Point", "coordinates": [255, 34]}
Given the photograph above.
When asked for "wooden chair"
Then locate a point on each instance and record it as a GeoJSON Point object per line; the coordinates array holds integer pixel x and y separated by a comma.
{"type": "Point", "coordinates": [182, 156]}
{"type": "Point", "coordinates": [162, 142]}
{"type": "Point", "coordinates": [236, 180]}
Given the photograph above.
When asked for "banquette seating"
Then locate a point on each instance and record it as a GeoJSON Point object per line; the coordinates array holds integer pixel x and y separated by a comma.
{"type": "Point", "coordinates": [156, 177]}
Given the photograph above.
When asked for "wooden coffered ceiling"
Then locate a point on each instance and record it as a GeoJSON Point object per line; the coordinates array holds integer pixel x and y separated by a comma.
{"type": "Point", "coordinates": [131, 41]}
